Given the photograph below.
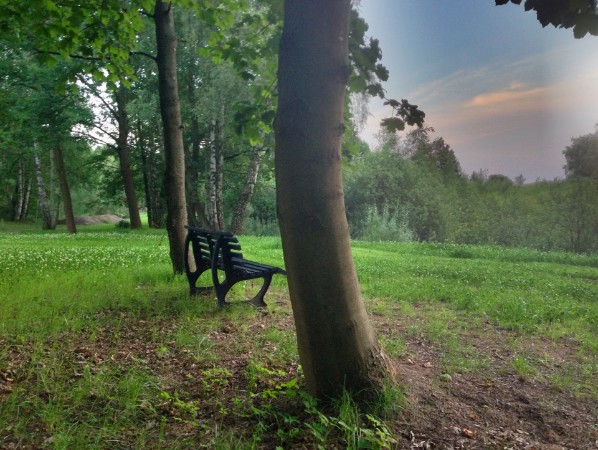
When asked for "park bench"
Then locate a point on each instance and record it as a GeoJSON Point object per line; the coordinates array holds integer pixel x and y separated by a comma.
{"type": "Point", "coordinates": [221, 251]}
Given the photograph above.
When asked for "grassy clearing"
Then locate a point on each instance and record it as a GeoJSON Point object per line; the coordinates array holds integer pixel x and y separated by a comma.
{"type": "Point", "coordinates": [524, 290]}
{"type": "Point", "coordinates": [101, 347]}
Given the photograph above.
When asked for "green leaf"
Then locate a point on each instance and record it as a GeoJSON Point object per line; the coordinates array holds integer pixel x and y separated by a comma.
{"type": "Point", "coordinates": [47, 59]}
{"type": "Point", "coordinates": [392, 124]}
{"type": "Point", "coordinates": [268, 116]}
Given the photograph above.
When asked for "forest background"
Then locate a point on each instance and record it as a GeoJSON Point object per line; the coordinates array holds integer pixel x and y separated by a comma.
{"type": "Point", "coordinates": [77, 134]}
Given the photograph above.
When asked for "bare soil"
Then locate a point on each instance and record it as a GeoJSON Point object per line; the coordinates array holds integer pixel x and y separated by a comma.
{"type": "Point", "coordinates": [496, 409]}
{"type": "Point", "coordinates": [94, 220]}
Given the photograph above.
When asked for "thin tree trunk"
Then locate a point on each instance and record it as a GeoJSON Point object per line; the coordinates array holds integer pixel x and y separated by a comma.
{"type": "Point", "coordinates": [157, 187]}
{"type": "Point", "coordinates": [122, 144]}
{"type": "Point", "coordinates": [150, 179]}
{"type": "Point", "coordinates": [211, 180]}
{"type": "Point", "coordinates": [240, 208]}
{"type": "Point", "coordinates": [25, 209]}
{"type": "Point", "coordinates": [53, 197]}
{"type": "Point", "coordinates": [337, 345]}
{"type": "Point", "coordinates": [146, 189]}
{"type": "Point", "coordinates": [42, 197]}
{"type": "Point", "coordinates": [174, 152]}
{"type": "Point", "coordinates": [220, 170]}
{"type": "Point", "coordinates": [191, 157]}
{"type": "Point", "coordinates": [65, 191]}
{"type": "Point", "coordinates": [195, 207]}
{"type": "Point", "coordinates": [19, 194]}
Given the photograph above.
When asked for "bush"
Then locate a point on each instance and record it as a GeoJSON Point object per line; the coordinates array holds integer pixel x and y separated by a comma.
{"type": "Point", "coordinates": [387, 226]}
{"type": "Point", "coordinates": [124, 224]}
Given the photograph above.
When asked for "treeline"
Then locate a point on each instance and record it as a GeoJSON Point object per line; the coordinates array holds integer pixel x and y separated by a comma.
{"type": "Point", "coordinates": [414, 189]}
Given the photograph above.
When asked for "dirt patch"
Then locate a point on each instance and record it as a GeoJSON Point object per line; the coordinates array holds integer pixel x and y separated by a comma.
{"type": "Point", "coordinates": [496, 409]}
{"type": "Point", "coordinates": [94, 220]}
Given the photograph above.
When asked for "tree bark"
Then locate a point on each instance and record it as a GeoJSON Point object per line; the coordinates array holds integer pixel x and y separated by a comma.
{"type": "Point", "coordinates": [240, 208]}
{"type": "Point", "coordinates": [53, 198]}
{"type": "Point", "coordinates": [214, 169]}
{"type": "Point", "coordinates": [151, 186]}
{"type": "Point", "coordinates": [337, 345]}
{"type": "Point", "coordinates": [174, 152]}
{"type": "Point", "coordinates": [65, 191]}
{"type": "Point", "coordinates": [195, 208]}
{"type": "Point", "coordinates": [19, 194]}
{"type": "Point", "coordinates": [25, 209]}
{"type": "Point", "coordinates": [42, 196]}
{"type": "Point", "coordinates": [219, 171]}
{"type": "Point", "coordinates": [124, 159]}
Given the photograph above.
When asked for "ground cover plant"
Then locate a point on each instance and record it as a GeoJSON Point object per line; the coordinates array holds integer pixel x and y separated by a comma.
{"type": "Point", "coordinates": [101, 347]}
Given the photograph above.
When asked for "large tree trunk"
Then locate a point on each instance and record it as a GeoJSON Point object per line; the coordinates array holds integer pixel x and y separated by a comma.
{"type": "Point", "coordinates": [122, 144]}
{"type": "Point", "coordinates": [42, 196]}
{"type": "Point", "coordinates": [174, 152]}
{"type": "Point", "coordinates": [240, 208]}
{"type": "Point", "coordinates": [64, 189]}
{"type": "Point", "coordinates": [337, 346]}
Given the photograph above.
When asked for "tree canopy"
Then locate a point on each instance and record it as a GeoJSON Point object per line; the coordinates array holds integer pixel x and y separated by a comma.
{"type": "Point", "coordinates": [581, 15]}
{"type": "Point", "coordinates": [582, 156]}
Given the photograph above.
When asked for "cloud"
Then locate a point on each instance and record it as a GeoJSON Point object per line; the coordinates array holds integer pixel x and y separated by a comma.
{"type": "Point", "coordinates": [517, 95]}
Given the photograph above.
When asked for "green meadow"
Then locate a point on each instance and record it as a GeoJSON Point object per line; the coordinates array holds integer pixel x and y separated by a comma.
{"type": "Point", "coordinates": [102, 347]}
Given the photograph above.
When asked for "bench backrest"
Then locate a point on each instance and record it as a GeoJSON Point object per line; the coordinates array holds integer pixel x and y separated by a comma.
{"type": "Point", "coordinates": [203, 244]}
{"type": "Point", "coordinates": [229, 249]}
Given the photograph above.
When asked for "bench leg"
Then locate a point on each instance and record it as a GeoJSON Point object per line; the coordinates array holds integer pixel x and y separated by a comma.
{"type": "Point", "coordinates": [192, 249]}
{"type": "Point", "coordinates": [221, 291]}
{"type": "Point", "coordinates": [258, 300]}
{"type": "Point", "coordinates": [192, 277]}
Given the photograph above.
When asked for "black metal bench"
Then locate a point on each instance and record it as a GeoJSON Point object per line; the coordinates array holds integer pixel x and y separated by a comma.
{"type": "Point", "coordinates": [221, 251]}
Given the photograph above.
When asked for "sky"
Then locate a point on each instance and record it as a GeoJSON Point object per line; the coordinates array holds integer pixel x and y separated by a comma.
{"type": "Point", "coordinates": [506, 94]}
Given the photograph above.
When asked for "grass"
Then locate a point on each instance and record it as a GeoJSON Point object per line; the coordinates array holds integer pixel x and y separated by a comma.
{"type": "Point", "coordinates": [519, 289]}
{"type": "Point", "coordinates": [100, 346]}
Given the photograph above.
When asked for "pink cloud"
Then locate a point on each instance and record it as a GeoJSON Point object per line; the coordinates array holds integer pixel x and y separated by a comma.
{"type": "Point", "coordinates": [516, 96]}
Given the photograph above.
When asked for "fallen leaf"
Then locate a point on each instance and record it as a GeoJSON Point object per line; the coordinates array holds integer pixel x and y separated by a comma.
{"type": "Point", "coordinates": [468, 433]}
{"type": "Point", "coordinates": [5, 377]}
